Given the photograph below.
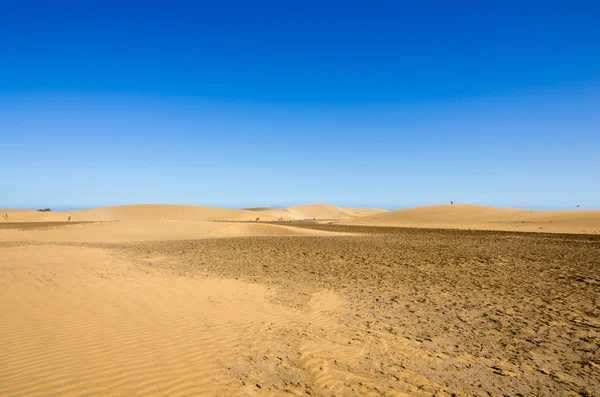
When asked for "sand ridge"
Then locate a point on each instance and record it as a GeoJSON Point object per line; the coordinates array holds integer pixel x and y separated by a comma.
{"type": "Point", "coordinates": [321, 211]}
{"type": "Point", "coordinates": [461, 216]}
{"type": "Point", "coordinates": [145, 212]}
{"type": "Point", "coordinates": [464, 216]}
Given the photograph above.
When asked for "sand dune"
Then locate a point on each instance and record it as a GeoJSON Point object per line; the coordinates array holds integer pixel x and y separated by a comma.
{"type": "Point", "coordinates": [20, 215]}
{"type": "Point", "coordinates": [322, 211]}
{"type": "Point", "coordinates": [464, 216]}
{"type": "Point", "coordinates": [157, 212]}
{"type": "Point", "coordinates": [166, 222]}
{"type": "Point", "coordinates": [442, 216]}
{"type": "Point", "coordinates": [142, 212]}
{"type": "Point", "coordinates": [145, 212]}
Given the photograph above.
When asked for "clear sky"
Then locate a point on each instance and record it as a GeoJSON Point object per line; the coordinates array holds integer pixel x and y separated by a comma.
{"type": "Point", "coordinates": [383, 104]}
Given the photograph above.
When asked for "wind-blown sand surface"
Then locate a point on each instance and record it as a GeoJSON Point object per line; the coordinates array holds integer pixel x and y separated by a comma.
{"type": "Point", "coordinates": [143, 230]}
{"type": "Point", "coordinates": [462, 216]}
{"type": "Point", "coordinates": [160, 301]}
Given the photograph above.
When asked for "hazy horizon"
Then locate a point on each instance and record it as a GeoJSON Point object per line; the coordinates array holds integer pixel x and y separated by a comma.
{"type": "Point", "coordinates": [76, 208]}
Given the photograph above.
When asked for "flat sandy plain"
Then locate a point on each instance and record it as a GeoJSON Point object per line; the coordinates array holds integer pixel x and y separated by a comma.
{"type": "Point", "coordinates": [162, 300]}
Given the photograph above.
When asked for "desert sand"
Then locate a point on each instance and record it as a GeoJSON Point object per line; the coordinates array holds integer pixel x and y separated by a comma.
{"type": "Point", "coordinates": [147, 212]}
{"type": "Point", "coordinates": [462, 216]}
{"type": "Point", "coordinates": [199, 301]}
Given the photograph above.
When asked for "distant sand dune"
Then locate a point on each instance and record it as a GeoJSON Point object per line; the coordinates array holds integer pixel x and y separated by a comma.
{"type": "Point", "coordinates": [145, 212]}
{"type": "Point", "coordinates": [441, 216]}
{"type": "Point", "coordinates": [321, 211]}
{"type": "Point", "coordinates": [463, 216]}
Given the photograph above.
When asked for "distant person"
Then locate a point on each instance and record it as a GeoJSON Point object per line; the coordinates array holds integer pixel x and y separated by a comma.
{"type": "Point", "coordinates": [5, 216]}
{"type": "Point", "coordinates": [69, 218]}
{"type": "Point", "coordinates": [451, 202]}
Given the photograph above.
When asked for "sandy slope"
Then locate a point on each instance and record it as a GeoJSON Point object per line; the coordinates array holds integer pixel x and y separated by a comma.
{"type": "Point", "coordinates": [84, 321]}
{"type": "Point", "coordinates": [149, 230]}
{"type": "Point", "coordinates": [321, 211]}
{"type": "Point", "coordinates": [147, 212]}
{"type": "Point", "coordinates": [464, 216]}
{"type": "Point", "coordinates": [20, 215]}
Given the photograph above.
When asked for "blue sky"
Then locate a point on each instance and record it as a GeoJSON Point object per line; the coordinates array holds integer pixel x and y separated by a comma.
{"type": "Point", "coordinates": [236, 104]}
